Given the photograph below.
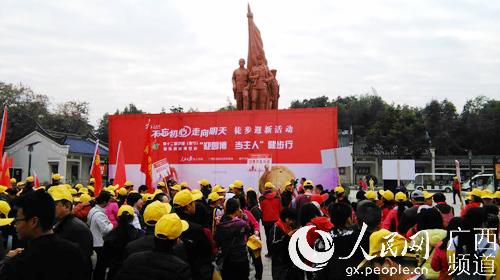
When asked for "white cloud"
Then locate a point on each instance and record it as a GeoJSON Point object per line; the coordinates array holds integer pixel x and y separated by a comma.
{"type": "Point", "coordinates": [167, 53]}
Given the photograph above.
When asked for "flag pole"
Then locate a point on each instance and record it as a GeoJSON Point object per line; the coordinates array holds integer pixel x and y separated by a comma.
{"type": "Point", "coordinates": [93, 158]}
{"type": "Point", "coordinates": [337, 167]}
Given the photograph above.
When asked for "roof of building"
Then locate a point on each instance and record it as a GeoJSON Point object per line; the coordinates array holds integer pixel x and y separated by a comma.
{"type": "Point", "coordinates": [464, 160]}
{"type": "Point", "coordinates": [83, 146]}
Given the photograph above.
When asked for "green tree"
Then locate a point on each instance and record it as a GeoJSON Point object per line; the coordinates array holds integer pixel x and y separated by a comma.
{"type": "Point", "coordinates": [102, 131]}
{"type": "Point", "coordinates": [71, 117]}
{"type": "Point", "coordinates": [441, 121]}
{"type": "Point", "coordinates": [177, 109]}
{"type": "Point", "coordinates": [229, 107]}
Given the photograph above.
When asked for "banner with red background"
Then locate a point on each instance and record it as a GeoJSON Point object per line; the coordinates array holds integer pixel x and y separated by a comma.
{"type": "Point", "coordinates": [216, 145]}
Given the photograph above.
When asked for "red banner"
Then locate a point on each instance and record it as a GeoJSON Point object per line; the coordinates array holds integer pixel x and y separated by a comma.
{"type": "Point", "coordinates": [289, 136]}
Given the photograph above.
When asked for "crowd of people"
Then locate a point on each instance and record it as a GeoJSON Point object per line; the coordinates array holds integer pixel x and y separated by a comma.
{"type": "Point", "coordinates": [177, 232]}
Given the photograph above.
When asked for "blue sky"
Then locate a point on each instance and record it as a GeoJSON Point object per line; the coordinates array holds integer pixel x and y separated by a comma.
{"type": "Point", "coordinates": [158, 53]}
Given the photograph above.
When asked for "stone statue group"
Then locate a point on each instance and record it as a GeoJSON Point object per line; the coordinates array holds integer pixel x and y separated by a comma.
{"type": "Point", "coordinates": [256, 89]}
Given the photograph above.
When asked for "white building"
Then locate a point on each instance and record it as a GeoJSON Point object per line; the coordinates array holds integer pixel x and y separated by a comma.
{"type": "Point", "coordinates": [53, 152]}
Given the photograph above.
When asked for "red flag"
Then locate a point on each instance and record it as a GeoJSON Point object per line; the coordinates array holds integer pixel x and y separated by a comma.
{"type": "Point", "coordinates": [3, 128]}
{"type": "Point", "coordinates": [147, 160]}
{"type": "Point", "coordinates": [255, 44]}
{"type": "Point", "coordinates": [120, 175]}
{"type": "Point", "coordinates": [95, 170]}
{"type": "Point", "coordinates": [36, 180]}
{"type": "Point", "coordinates": [5, 173]}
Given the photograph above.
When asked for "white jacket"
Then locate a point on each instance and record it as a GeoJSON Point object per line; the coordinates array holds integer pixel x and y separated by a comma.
{"type": "Point", "coordinates": [99, 225]}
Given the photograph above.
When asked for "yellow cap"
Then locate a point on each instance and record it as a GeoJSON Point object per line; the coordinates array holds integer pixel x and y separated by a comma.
{"type": "Point", "coordinates": [197, 195]}
{"type": "Point", "coordinates": [388, 195]}
{"type": "Point", "coordinates": [309, 183]}
{"type": "Point", "coordinates": [122, 191]}
{"type": "Point", "coordinates": [67, 186]}
{"type": "Point", "coordinates": [73, 191]}
{"type": "Point", "coordinates": [92, 180]}
{"type": "Point", "coordinates": [250, 189]}
{"type": "Point", "coordinates": [254, 243]}
{"type": "Point", "coordinates": [455, 178]}
{"type": "Point", "coordinates": [128, 184]}
{"type": "Point", "coordinates": [3, 189]}
{"type": "Point", "coordinates": [427, 194]}
{"type": "Point", "coordinates": [204, 182]}
{"type": "Point", "coordinates": [6, 221]}
{"type": "Point", "coordinates": [41, 188]}
{"type": "Point", "coordinates": [214, 196]}
{"type": "Point", "coordinates": [20, 184]}
{"type": "Point", "coordinates": [231, 186]}
{"type": "Point", "coordinates": [476, 192]}
{"type": "Point", "coordinates": [497, 194]}
{"type": "Point", "coordinates": [158, 191]}
{"type": "Point", "coordinates": [268, 185]}
{"type": "Point", "coordinates": [238, 184]}
{"type": "Point", "coordinates": [184, 185]}
{"type": "Point", "coordinates": [57, 177]}
{"type": "Point", "coordinates": [90, 188]}
{"type": "Point", "coordinates": [487, 194]}
{"type": "Point", "coordinates": [161, 184]}
{"type": "Point", "coordinates": [78, 186]}
{"type": "Point", "coordinates": [147, 196]}
{"type": "Point", "coordinates": [133, 191]}
{"type": "Point", "coordinates": [83, 190]}
{"type": "Point", "coordinates": [288, 183]}
{"type": "Point", "coordinates": [83, 198]}
{"type": "Point", "coordinates": [126, 208]}
{"type": "Point", "coordinates": [183, 198]}
{"type": "Point", "coordinates": [371, 195]}
{"type": "Point", "coordinates": [170, 226]}
{"type": "Point", "coordinates": [401, 196]}
{"type": "Point", "coordinates": [176, 188]}
{"type": "Point", "coordinates": [60, 192]}
{"type": "Point", "coordinates": [13, 181]}
{"type": "Point", "coordinates": [4, 208]}
{"type": "Point", "coordinates": [218, 189]}
{"type": "Point", "coordinates": [390, 243]}
{"type": "Point", "coordinates": [339, 189]}
{"type": "Point", "coordinates": [154, 211]}
{"type": "Point", "coordinates": [29, 179]}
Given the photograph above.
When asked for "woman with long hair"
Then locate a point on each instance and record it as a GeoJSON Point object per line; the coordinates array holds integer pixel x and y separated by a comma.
{"type": "Point", "coordinates": [116, 241]}
{"type": "Point", "coordinates": [439, 261]}
{"type": "Point", "coordinates": [391, 222]}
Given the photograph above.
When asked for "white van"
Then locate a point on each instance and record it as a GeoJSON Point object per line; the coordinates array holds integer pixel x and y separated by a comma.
{"type": "Point", "coordinates": [424, 181]}
{"type": "Point", "coordinates": [480, 181]}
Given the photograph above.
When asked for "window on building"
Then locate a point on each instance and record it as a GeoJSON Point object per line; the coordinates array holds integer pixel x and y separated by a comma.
{"type": "Point", "coordinates": [419, 169]}
{"type": "Point", "coordinates": [342, 170]}
{"type": "Point", "coordinates": [363, 170]}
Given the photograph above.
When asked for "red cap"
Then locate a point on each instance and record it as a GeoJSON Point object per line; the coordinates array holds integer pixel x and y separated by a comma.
{"type": "Point", "coordinates": [319, 198]}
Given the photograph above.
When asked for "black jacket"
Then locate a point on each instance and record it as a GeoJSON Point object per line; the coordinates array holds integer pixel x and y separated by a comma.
{"type": "Point", "coordinates": [114, 246]}
{"type": "Point", "coordinates": [47, 257]}
{"type": "Point", "coordinates": [286, 199]}
{"type": "Point", "coordinates": [74, 230]}
{"type": "Point", "coordinates": [408, 219]}
{"type": "Point", "coordinates": [154, 265]}
{"type": "Point", "coordinates": [147, 243]}
{"type": "Point", "coordinates": [198, 246]}
{"type": "Point", "coordinates": [201, 215]}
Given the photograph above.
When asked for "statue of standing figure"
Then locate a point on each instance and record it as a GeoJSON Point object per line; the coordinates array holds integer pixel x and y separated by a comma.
{"type": "Point", "coordinates": [240, 82]}
{"type": "Point", "coordinates": [260, 76]}
{"type": "Point", "coordinates": [275, 89]}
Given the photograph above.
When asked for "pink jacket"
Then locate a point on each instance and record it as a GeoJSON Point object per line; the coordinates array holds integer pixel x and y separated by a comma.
{"type": "Point", "coordinates": [112, 213]}
{"type": "Point", "coordinates": [439, 262]}
{"type": "Point", "coordinates": [252, 222]}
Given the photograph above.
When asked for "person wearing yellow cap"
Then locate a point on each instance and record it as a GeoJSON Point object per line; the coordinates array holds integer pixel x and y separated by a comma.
{"type": "Point", "coordinates": [391, 221]}
{"type": "Point", "coordinates": [68, 226]}
{"type": "Point", "coordinates": [20, 186]}
{"type": "Point", "coordinates": [475, 201]}
{"type": "Point", "coordinates": [214, 211]}
{"type": "Point", "coordinates": [184, 186]}
{"type": "Point", "coordinates": [287, 195]}
{"type": "Point", "coordinates": [129, 186]}
{"type": "Point", "coordinates": [83, 205]}
{"type": "Point", "coordinates": [152, 214]}
{"type": "Point", "coordinates": [428, 198]}
{"type": "Point", "coordinates": [496, 198]}
{"type": "Point", "coordinates": [13, 181]}
{"type": "Point", "coordinates": [238, 190]}
{"type": "Point", "coordinates": [387, 204]}
{"type": "Point", "coordinates": [118, 238]}
{"type": "Point", "coordinates": [56, 179]}
{"type": "Point", "coordinates": [371, 195]}
{"type": "Point", "coordinates": [163, 187]}
{"type": "Point", "coordinates": [341, 195]}
{"type": "Point", "coordinates": [33, 223]}
{"type": "Point", "coordinates": [402, 262]}
{"type": "Point", "coordinates": [220, 190]}
{"type": "Point", "coordinates": [487, 197]}
{"type": "Point", "coordinates": [135, 200]}
{"type": "Point", "coordinates": [270, 203]}
{"type": "Point", "coordinates": [174, 190]}
{"type": "Point", "coordinates": [100, 226]}
{"type": "Point", "coordinates": [161, 262]}
{"type": "Point", "coordinates": [199, 249]}
{"type": "Point", "coordinates": [230, 238]}
{"type": "Point", "coordinates": [205, 188]}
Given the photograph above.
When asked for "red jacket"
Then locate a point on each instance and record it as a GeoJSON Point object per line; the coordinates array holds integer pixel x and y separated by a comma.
{"type": "Point", "coordinates": [391, 222]}
{"type": "Point", "coordinates": [469, 206]}
{"type": "Point", "coordinates": [82, 211]}
{"type": "Point", "coordinates": [270, 203]}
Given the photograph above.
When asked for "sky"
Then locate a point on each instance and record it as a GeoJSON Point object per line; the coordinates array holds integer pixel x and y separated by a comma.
{"type": "Point", "coordinates": [159, 53]}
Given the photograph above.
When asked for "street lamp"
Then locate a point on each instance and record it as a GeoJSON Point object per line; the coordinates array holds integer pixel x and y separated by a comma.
{"type": "Point", "coordinates": [470, 163]}
{"type": "Point", "coordinates": [30, 149]}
